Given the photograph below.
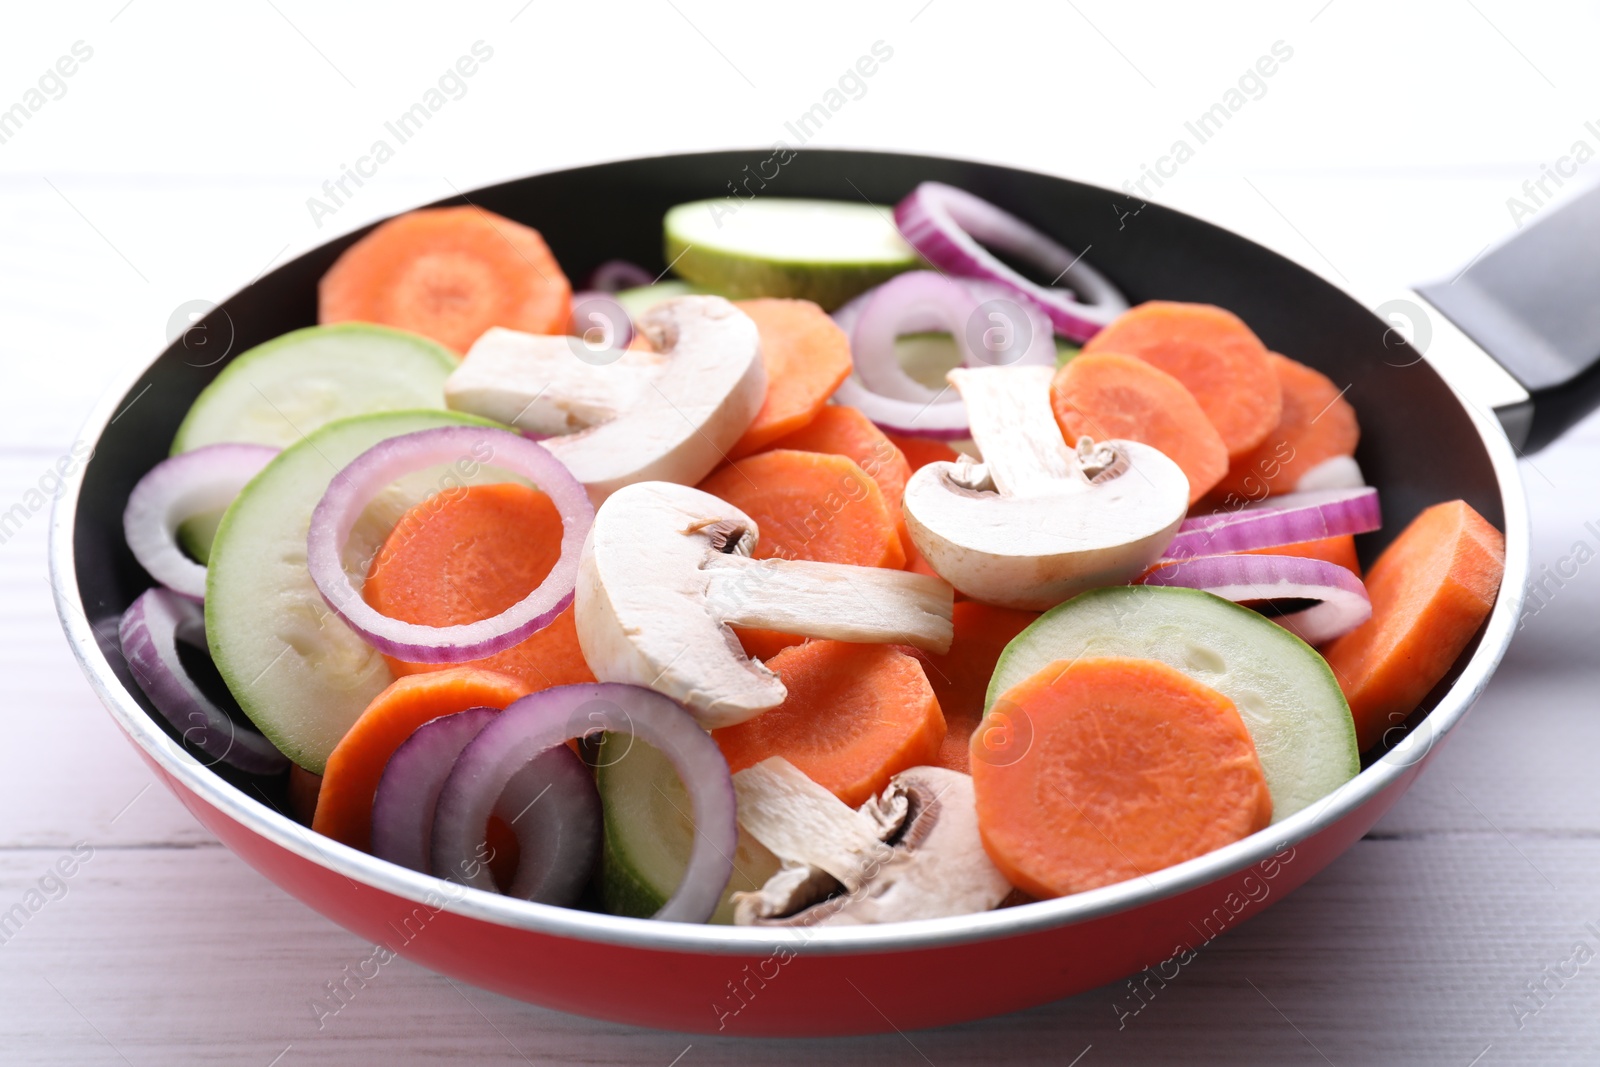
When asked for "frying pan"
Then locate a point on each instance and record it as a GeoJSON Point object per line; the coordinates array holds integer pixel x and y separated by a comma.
{"type": "Point", "coordinates": [1422, 442]}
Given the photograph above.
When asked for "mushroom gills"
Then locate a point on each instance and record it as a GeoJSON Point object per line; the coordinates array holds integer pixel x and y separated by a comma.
{"type": "Point", "coordinates": [911, 853]}
{"type": "Point", "coordinates": [622, 417]}
{"type": "Point", "coordinates": [667, 570]}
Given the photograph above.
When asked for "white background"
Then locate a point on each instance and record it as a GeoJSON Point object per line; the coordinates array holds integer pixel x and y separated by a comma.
{"type": "Point", "coordinates": [177, 166]}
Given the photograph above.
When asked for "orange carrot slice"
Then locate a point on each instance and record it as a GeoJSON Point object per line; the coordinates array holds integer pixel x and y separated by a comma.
{"type": "Point", "coordinates": [921, 451]}
{"type": "Point", "coordinates": [856, 716]}
{"type": "Point", "coordinates": [1106, 395]}
{"type": "Point", "coordinates": [469, 554]}
{"type": "Point", "coordinates": [344, 805]}
{"type": "Point", "coordinates": [1431, 589]}
{"type": "Point", "coordinates": [1133, 766]}
{"type": "Point", "coordinates": [1340, 550]}
{"type": "Point", "coordinates": [806, 357]}
{"type": "Point", "coordinates": [843, 431]}
{"type": "Point", "coordinates": [1214, 354]}
{"type": "Point", "coordinates": [448, 273]}
{"type": "Point", "coordinates": [811, 505]}
{"type": "Point", "coordinates": [960, 677]}
{"type": "Point", "coordinates": [1317, 424]}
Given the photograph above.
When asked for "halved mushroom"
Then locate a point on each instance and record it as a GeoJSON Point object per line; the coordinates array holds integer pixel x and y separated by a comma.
{"type": "Point", "coordinates": [1036, 521]}
{"type": "Point", "coordinates": [668, 415]}
{"type": "Point", "coordinates": [911, 853]}
{"type": "Point", "coordinates": [667, 570]}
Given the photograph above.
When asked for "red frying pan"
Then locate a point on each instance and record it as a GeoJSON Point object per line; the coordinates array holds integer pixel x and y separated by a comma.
{"type": "Point", "coordinates": [1422, 442]}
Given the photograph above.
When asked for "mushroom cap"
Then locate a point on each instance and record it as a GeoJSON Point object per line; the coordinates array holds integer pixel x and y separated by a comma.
{"type": "Point", "coordinates": [642, 609]}
{"type": "Point", "coordinates": [1036, 549]}
{"type": "Point", "coordinates": [689, 414]}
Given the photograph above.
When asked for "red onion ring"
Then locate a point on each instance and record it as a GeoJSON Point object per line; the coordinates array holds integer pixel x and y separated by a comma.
{"type": "Point", "coordinates": [149, 633]}
{"type": "Point", "coordinates": [1277, 521]}
{"type": "Point", "coordinates": [553, 807]}
{"type": "Point", "coordinates": [600, 324]}
{"type": "Point", "coordinates": [541, 721]}
{"type": "Point", "coordinates": [178, 489]}
{"type": "Point", "coordinates": [965, 308]}
{"type": "Point", "coordinates": [615, 275]}
{"type": "Point", "coordinates": [946, 224]}
{"type": "Point", "coordinates": [353, 488]}
{"type": "Point", "coordinates": [1343, 606]}
{"type": "Point", "coordinates": [408, 792]}
{"type": "Point", "coordinates": [946, 421]}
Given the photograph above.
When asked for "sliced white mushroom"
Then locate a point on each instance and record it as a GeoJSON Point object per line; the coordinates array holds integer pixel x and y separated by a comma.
{"type": "Point", "coordinates": [544, 384]}
{"type": "Point", "coordinates": [1339, 472]}
{"type": "Point", "coordinates": [670, 415]}
{"type": "Point", "coordinates": [1036, 521]}
{"type": "Point", "coordinates": [912, 853]}
{"type": "Point", "coordinates": [667, 569]}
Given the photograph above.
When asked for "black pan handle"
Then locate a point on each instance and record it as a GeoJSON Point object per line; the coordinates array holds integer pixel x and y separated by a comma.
{"type": "Point", "coordinates": [1533, 303]}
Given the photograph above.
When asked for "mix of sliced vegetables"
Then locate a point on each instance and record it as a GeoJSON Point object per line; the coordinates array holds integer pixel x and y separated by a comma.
{"type": "Point", "coordinates": [691, 599]}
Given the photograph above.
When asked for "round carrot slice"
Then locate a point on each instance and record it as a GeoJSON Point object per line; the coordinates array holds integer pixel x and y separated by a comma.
{"type": "Point", "coordinates": [811, 505]}
{"type": "Point", "coordinates": [1214, 354]}
{"type": "Point", "coordinates": [806, 357]}
{"type": "Point", "coordinates": [448, 273]}
{"type": "Point", "coordinates": [856, 716]}
{"type": "Point", "coordinates": [841, 430]}
{"type": "Point", "coordinates": [1317, 424]}
{"type": "Point", "coordinates": [344, 803]}
{"type": "Point", "coordinates": [1133, 766]}
{"type": "Point", "coordinates": [469, 554]}
{"type": "Point", "coordinates": [1106, 395]}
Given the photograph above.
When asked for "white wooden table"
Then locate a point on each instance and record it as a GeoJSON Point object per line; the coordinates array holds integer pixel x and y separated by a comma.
{"type": "Point", "coordinates": [1424, 944]}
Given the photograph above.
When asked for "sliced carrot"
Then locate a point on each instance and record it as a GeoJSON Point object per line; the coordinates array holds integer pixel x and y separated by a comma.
{"type": "Point", "coordinates": [921, 451]}
{"type": "Point", "coordinates": [1107, 395]}
{"type": "Point", "coordinates": [448, 273]}
{"type": "Point", "coordinates": [1132, 766]}
{"type": "Point", "coordinates": [856, 716]}
{"type": "Point", "coordinates": [1340, 550]}
{"type": "Point", "coordinates": [806, 355]}
{"type": "Point", "coordinates": [960, 677]}
{"type": "Point", "coordinates": [843, 431]}
{"type": "Point", "coordinates": [469, 554]}
{"type": "Point", "coordinates": [1214, 354]}
{"type": "Point", "coordinates": [1431, 589]}
{"type": "Point", "coordinates": [811, 505]}
{"type": "Point", "coordinates": [344, 806]}
{"type": "Point", "coordinates": [1317, 424]}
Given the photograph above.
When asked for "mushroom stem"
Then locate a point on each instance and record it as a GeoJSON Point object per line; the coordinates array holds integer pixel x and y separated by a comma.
{"type": "Point", "coordinates": [539, 385]}
{"type": "Point", "coordinates": [1015, 429]}
{"type": "Point", "coordinates": [914, 852]}
{"type": "Point", "coordinates": [867, 605]}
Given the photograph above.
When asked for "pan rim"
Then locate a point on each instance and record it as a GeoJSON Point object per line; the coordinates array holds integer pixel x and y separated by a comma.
{"type": "Point", "coordinates": [645, 934]}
